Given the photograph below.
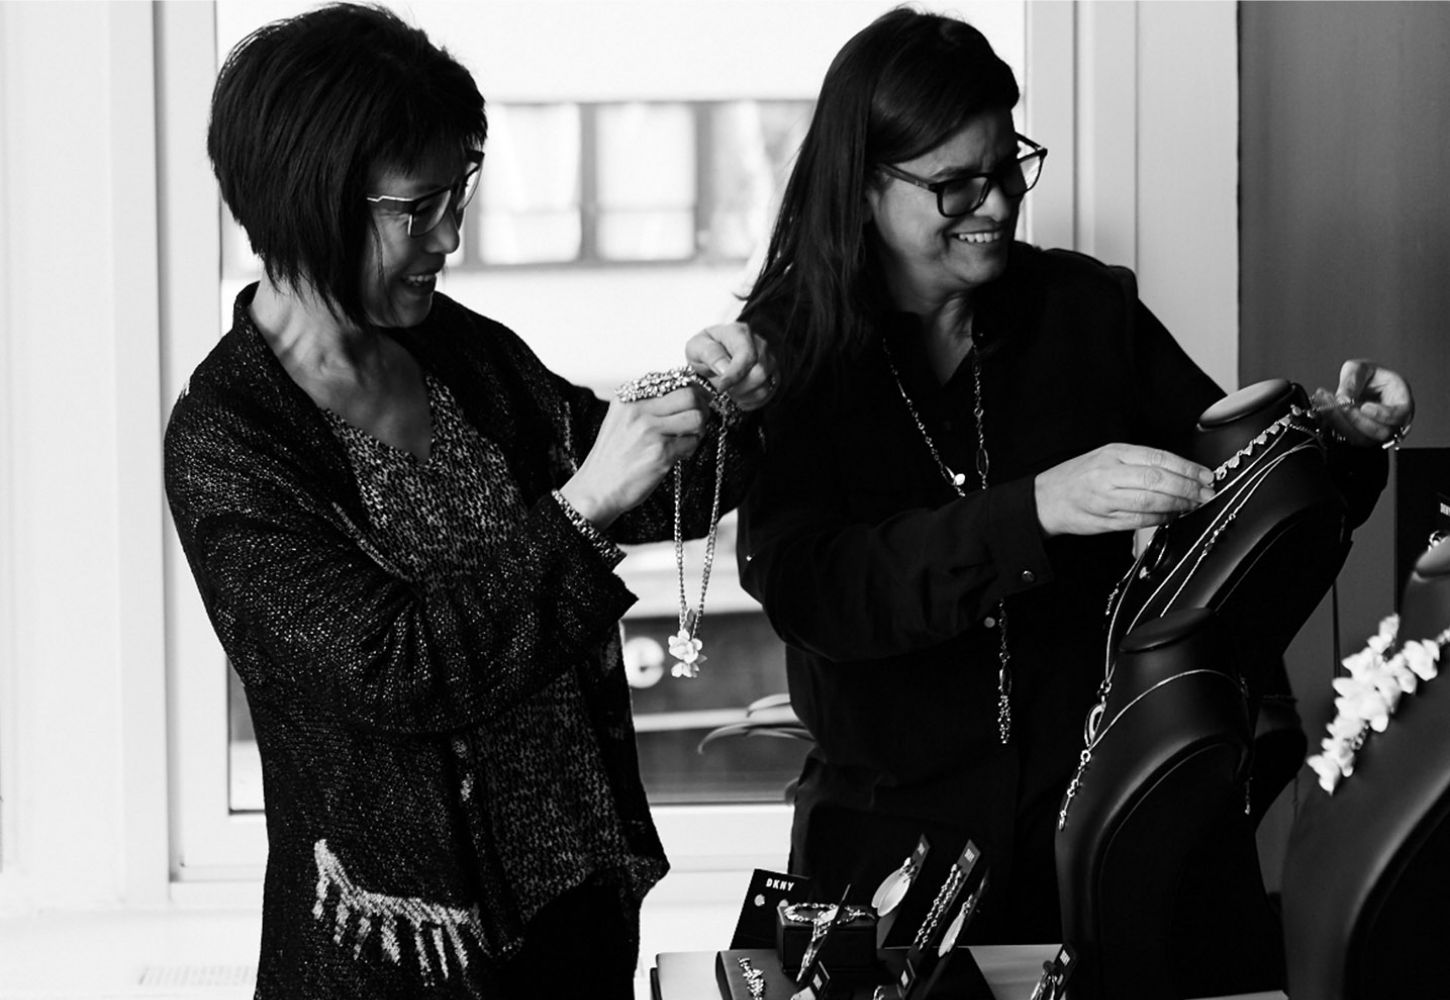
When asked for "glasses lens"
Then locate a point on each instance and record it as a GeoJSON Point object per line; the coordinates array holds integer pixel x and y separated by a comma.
{"type": "Point", "coordinates": [467, 187]}
{"type": "Point", "coordinates": [429, 212]}
{"type": "Point", "coordinates": [962, 196]}
{"type": "Point", "coordinates": [1030, 164]}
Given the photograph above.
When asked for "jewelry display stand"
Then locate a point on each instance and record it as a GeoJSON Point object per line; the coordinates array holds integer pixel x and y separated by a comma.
{"type": "Point", "coordinates": [1367, 871]}
{"type": "Point", "coordinates": [1266, 548]}
{"type": "Point", "coordinates": [895, 889]}
{"type": "Point", "coordinates": [1160, 894]}
{"type": "Point", "coordinates": [933, 966]}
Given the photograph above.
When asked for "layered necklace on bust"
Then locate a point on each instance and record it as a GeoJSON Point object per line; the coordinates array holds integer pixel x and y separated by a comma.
{"type": "Point", "coordinates": [685, 645]}
{"type": "Point", "coordinates": [1236, 479]}
{"type": "Point", "coordinates": [957, 481]}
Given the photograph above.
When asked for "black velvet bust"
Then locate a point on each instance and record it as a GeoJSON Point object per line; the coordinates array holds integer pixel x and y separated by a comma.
{"type": "Point", "coordinates": [1157, 864]}
{"type": "Point", "coordinates": [1262, 553]}
{"type": "Point", "coordinates": [1367, 873]}
{"type": "Point", "coordinates": [1158, 897]}
{"type": "Point", "coordinates": [1266, 549]}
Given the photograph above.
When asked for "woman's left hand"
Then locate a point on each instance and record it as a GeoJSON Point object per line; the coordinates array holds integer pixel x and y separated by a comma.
{"type": "Point", "coordinates": [1373, 405]}
{"type": "Point", "coordinates": [736, 362]}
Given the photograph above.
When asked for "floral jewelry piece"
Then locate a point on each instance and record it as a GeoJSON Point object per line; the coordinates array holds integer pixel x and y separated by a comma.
{"type": "Point", "coordinates": [685, 645]}
{"type": "Point", "coordinates": [1370, 695]}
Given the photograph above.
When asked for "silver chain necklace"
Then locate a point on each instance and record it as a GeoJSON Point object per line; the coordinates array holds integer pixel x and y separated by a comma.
{"type": "Point", "coordinates": [957, 481]}
{"type": "Point", "coordinates": [685, 645]}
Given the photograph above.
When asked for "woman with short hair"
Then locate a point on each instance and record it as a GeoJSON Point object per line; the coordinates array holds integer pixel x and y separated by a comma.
{"type": "Point", "coordinates": [404, 529]}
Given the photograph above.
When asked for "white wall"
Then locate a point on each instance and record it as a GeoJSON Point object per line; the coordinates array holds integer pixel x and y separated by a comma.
{"type": "Point", "coordinates": [83, 768]}
{"type": "Point", "coordinates": [81, 727]}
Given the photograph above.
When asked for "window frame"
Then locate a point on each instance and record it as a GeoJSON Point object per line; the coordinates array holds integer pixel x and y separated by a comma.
{"type": "Point", "coordinates": [1080, 73]}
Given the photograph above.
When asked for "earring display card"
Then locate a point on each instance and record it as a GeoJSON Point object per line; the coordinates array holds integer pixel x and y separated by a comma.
{"type": "Point", "coordinates": [1053, 984]}
{"type": "Point", "coordinates": [756, 926]}
{"type": "Point", "coordinates": [819, 988]}
{"type": "Point", "coordinates": [922, 955]}
{"type": "Point", "coordinates": [895, 888]}
{"type": "Point", "coordinates": [955, 972]}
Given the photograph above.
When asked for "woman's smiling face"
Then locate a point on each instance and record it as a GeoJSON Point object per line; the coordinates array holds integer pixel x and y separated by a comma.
{"type": "Point", "coordinates": [927, 256]}
{"type": "Point", "coordinates": [400, 273]}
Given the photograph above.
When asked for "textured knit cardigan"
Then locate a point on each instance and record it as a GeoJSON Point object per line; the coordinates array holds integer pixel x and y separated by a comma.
{"type": "Point", "coordinates": [379, 701]}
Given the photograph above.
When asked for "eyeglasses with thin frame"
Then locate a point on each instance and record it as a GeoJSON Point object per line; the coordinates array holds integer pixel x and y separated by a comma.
{"type": "Point", "coordinates": [964, 194]}
{"type": "Point", "coordinates": [426, 211]}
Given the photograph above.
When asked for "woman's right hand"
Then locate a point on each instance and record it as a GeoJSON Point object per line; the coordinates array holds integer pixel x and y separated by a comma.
{"type": "Point", "coordinates": [638, 444]}
{"type": "Point", "coordinates": [1119, 487]}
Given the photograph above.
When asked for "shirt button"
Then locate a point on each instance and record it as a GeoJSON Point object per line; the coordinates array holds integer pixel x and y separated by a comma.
{"type": "Point", "coordinates": [1028, 576]}
{"type": "Point", "coordinates": [989, 621]}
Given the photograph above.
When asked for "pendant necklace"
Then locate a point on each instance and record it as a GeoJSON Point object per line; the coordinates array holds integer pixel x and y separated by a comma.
{"type": "Point", "coordinates": [957, 481]}
{"type": "Point", "coordinates": [685, 645]}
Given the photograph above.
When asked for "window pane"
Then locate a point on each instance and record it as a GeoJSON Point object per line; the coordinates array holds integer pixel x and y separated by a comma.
{"type": "Point", "coordinates": [752, 144]}
{"type": "Point", "coordinates": [645, 165]}
{"type": "Point", "coordinates": [528, 199]}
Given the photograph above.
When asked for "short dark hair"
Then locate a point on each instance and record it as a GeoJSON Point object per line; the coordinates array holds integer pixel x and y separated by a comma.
{"type": "Point", "coordinates": [304, 109]}
{"type": "Point", "coordinates": [899, 88]}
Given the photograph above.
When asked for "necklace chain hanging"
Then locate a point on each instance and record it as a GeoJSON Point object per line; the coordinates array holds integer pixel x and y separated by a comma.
{"type": "Point", "coordinates": [685, 645]}
{"type": "Point", "coordinates": [957, 481]}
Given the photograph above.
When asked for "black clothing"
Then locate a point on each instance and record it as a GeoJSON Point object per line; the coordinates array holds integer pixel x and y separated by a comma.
{"type": "Point", "coordinates": [443, 722]}
{"type": "Point", "coordinates": [884, 584]}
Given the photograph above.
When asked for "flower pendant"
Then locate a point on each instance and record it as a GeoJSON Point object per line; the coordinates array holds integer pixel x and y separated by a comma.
{"type": "Point", "coordinates": [686, 651]}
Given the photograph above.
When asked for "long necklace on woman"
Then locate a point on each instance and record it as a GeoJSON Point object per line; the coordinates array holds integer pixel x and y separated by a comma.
{"type": "Point", "coordinates": [957, 481]}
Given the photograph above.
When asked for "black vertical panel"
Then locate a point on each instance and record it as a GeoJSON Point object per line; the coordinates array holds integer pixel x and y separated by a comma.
{"type": "Point", "coordinates": [1344, 243]}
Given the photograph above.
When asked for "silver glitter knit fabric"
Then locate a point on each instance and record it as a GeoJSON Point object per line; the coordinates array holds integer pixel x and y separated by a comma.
{"type": "Point", "coordinates": [431, 661]}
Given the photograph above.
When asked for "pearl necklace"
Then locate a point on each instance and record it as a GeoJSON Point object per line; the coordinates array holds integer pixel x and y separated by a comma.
{"type": "Point", "coordinates": [685, 645]}
{"type": "Point", "coordinates": [957, 481]}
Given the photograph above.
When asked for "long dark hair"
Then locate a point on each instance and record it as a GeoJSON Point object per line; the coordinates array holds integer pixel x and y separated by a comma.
{"type": "Point", "coordinates": [899, 88]}
{"type": "Point", "coordinates": [304, 109]}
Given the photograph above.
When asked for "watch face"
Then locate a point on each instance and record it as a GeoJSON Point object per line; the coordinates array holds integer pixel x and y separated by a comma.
{"type": "Point", "coordinates": [891, 891]}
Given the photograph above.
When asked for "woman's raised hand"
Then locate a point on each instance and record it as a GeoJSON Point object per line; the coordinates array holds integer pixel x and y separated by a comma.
{"type": "Point", "coordinates": [736, 361]}
{"type": "Point", "coordinates": [638, 444]}
{"type": "Point", "coordinates": [1372, 405]}
{"type": "Point", "coordinates": [1119, 487]}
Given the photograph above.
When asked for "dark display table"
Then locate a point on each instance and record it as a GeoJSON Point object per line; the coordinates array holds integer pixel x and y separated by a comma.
{"type": "Point", "coordinates": [1010, 970]}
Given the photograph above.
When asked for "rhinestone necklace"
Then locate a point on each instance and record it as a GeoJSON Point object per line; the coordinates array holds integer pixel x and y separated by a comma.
{"type": "Point", "coordinates": [957, 481]}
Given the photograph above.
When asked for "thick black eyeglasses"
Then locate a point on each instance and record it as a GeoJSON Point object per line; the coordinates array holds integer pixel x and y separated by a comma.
{"type": "Point", "coordinates": [964, 194]}
{"type": "Point", "coordinates": [426, 211]}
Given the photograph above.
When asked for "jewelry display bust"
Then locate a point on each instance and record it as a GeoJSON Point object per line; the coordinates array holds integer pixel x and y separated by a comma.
{"type": "Point", "coordinates": [1367, 871]}
{"type": "Point", "coordinates": [1266, 548]}
{"type": "Point", "coordinates": [1158, 898]}
{"type": "Point", "coordinates": [1262, 553]}
{"type": "Point", "coordinates": [1159, 875]}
